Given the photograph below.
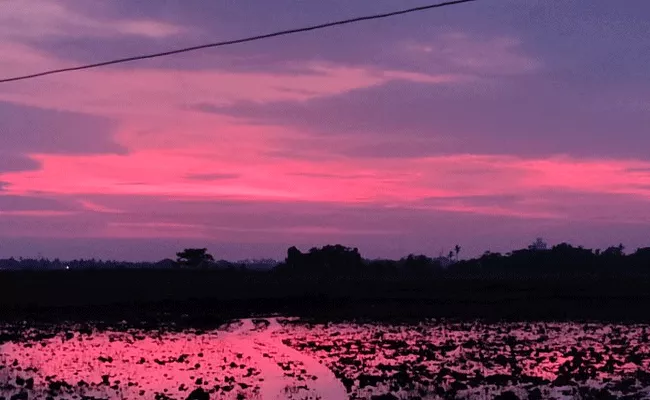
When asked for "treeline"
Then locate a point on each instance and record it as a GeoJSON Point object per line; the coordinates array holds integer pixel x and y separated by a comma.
{"type": "Point", "coordinates": [536, 260]}
{"type": "Point", "coordinates": [335, 281]}
{"type": "Point", "coordinates": [45, 264]}
{"type": "Point", "coordinates": [341, 261]}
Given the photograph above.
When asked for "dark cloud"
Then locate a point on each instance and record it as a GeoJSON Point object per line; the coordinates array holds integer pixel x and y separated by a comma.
{"type": "Point", "coordinates": [215, 21]}
{"type": "Point", "coordinates": [10, 162]}
{"type": "Point", "coordinates": [526, 116]}
{"type": "Point", "coordinates": [33, 203]}
{"type": "Point", "coordinates": [561, 34]}
{"type": "Point", "coordinates": [380, 43]}
{"type": "Point", "coordinates": [84, 50]}
{"type": "Point", "coordinates": [27, 130]}
{"type": "Point", "coordinates": [211, 176]}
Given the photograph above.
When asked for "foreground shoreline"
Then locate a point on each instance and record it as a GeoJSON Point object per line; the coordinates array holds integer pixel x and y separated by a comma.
{"type": "Point", "coordinates": [199, 297]}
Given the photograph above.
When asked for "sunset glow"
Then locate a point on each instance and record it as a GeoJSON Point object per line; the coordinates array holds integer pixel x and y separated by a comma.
{"type": "Point", "coordinates": [476, 125]}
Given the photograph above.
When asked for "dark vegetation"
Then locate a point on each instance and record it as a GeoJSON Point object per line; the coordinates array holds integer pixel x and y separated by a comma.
{"type": "Point", "coordinates": [476, 359]}
{"type": "Point", "coordinates": [563, 282]}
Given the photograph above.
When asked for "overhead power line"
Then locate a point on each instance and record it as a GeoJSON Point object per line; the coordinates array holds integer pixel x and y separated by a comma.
{"type": "Point", "coordinates": [235, 41]}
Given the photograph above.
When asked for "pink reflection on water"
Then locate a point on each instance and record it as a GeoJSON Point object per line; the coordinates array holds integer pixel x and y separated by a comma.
{"type": "Point", "coordinates": [476, 360]}
{"type": "Point", "coordinates": [243, 360]}
{"type": "Point", "coordinates": [273, 359]}
{"type": "Point", "coordinates": [130, 364]}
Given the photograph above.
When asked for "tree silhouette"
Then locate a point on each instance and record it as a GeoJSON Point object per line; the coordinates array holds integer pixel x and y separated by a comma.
{"type": "Point", "coordinates": [457, 250]}
{"type": "Point", "coordinates": [614, 251]}
{"type": "Point", "coordinates": [538, 244]}
{"type": "Point", "coordinates": [194, 258]}
{"type": "Point", "coordinates": [330, 259]}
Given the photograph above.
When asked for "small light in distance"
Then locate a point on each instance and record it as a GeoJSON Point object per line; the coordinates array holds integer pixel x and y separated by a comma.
{"type": "Point", "coordinates": [67, 267]}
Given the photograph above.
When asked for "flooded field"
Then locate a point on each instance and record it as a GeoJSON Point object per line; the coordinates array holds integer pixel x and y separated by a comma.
{"type": "Point", "coordinates": [278, 358]}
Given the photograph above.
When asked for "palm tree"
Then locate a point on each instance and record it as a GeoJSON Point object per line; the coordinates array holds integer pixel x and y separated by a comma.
{"type": "Point", "coordinates": [457, 250]}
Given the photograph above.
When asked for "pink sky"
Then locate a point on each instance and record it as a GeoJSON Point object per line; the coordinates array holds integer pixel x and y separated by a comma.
{"type": "Point", "coordinates": [485, 125]}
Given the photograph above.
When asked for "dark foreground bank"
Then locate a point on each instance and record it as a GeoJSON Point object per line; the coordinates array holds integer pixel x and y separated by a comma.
{"type": "Point", "coordinates": [204, 297]}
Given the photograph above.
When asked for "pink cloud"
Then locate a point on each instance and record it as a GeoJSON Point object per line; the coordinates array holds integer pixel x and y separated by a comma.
{"type": "Point", "coordinates": [591, 176]}
{"type": "Point", "coordinates": [133, 93]}
{"type": "Point", "coordinates": [344, 181]}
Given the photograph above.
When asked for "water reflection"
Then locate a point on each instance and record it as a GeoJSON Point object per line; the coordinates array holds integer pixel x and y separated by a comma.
{"type": "Point", "coordinates": [476, 360]}
{"type": "Point", "coordinates": [280, 359]}
{"type": "Point", "coordinates": [244, 360]}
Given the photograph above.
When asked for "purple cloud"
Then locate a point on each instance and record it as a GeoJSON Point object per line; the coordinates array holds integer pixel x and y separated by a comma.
{"type": "Point", "coordinates": [560, 33]}
{"type": "Point", "coordinates": [526, 116]}
{"type": "Point", "coordinates": [32, 203]}
{"type": "Point", "coordinates": [10, 162]}
{"type": "Point", "coordinates": [232, 230]}
{"type": "Point", "coordinates": [379, 43]}
{"type": "Point", "coordinates": [27, 130]}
